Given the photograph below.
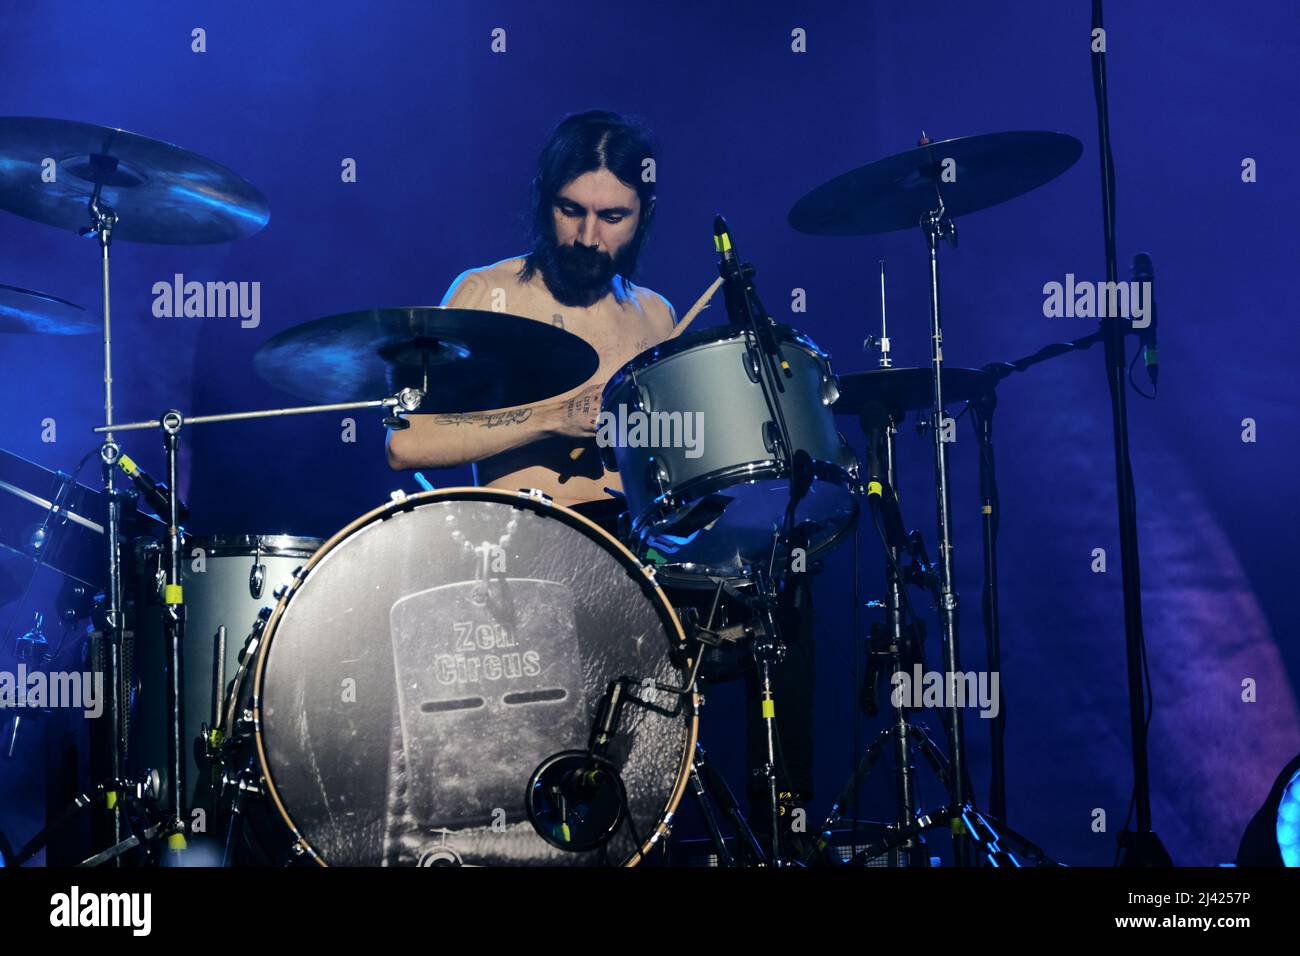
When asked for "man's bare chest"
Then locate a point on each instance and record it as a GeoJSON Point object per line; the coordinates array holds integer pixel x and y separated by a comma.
{"type": "Point", "coordinates": [616, 331]}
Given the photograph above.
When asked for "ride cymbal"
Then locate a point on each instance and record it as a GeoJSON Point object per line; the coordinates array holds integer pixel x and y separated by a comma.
{"type": "Point", "coordinates": [895, 192]}
{"type": "Point", "coordinates": [465, 360]}
{"type": "Point", "coordinates": [160, 192]}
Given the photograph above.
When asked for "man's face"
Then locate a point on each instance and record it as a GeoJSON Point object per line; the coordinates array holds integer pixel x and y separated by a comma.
{"type": "Point", "coordinates": [596, 210]}
{"type": "Point", "coordinates": [595, 219]}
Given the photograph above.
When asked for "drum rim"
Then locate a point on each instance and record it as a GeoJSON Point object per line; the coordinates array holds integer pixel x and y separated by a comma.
{"type": "Point", "coordinates": [390, 508]}
{"type": "Point", "coordinates": [700, 338]}
{"type": "Point", "coordinates": [270, 545]}
{"type": "Point", "coordinates": [723, 478]}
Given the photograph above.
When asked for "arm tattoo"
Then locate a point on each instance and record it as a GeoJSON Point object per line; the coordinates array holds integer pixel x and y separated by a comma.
{"type": "Point", "coordinates": [514, 416]}
{"type": "Point", "coordinates": [579, 404]}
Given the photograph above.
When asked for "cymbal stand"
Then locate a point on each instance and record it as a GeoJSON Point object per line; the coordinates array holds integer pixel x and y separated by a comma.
{"type": "Point", "coordinates": [103, 219]}
{"type": "Point", "coordinates": [937, 225]}
{"type": "Point", "coordinates": [895, 643]}
{"type": "Point", "coordinates": [175, 825]}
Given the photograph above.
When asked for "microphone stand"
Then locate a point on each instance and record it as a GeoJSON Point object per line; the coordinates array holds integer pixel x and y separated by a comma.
{"type": "Point", "coordinates": [990, 509]}
{"type": "Point", "coordinates": [766, 366]}
{"type": "Point", "coordinates": [1140, 847]}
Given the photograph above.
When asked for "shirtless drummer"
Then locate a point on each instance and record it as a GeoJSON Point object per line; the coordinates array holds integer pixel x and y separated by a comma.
{"type": "Point", "coordinates": [592, 208]}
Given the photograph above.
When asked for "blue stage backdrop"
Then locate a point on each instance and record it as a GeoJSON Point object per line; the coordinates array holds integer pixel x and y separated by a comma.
{"type": "Point", "coordinates": [753, 105]}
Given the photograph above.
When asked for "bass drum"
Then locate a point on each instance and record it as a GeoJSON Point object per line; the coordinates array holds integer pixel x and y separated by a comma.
{"type": "Point", "coordinates": [435, 654]}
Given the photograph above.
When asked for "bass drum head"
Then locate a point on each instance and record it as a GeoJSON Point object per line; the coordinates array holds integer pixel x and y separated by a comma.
{"type": "Point", "coordinates": [435, 653]}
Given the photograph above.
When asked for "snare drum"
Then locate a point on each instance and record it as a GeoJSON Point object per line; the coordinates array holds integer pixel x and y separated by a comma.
{"type": "Point", "coordinates": [687, 426]}
{"type": "Point", "coordinates": [439, 653]}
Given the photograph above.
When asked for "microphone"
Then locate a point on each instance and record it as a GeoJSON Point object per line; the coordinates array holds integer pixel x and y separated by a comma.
{"type": "Point", "coordinates": [584, 781]}
{"type": "Point", "coordinates": [733, 290]}
{"type": "Point", "coordinates": [737, 292]}
{"type": "Point", "coordinates": [156, 493]}
{"type": "Point", "coordinates": [576, 800]}
{"type": "Point", "coordinates": [722, 241]}
{"type": "Point", "coordinates": [1143, 271]}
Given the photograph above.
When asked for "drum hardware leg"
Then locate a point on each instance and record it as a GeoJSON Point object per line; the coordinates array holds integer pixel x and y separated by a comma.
{"type": "Point", "coordinates": [13, 736]}
{"type": "Point", "coordinates": [710, 788]}
{"type": "Point", "coordinates": [710, 819]}
{"type": "Point", "coordinates": [112, 795]}
{"type": "Point", "coordinates": [1002, 847]}
{"type": "Point", "coordinates": [245, 784]}
{"type": "Point", "coordinates": [212, 735]}
{"type": "Point", "coordinates": [141, 838]}
{"type": "Point", "coordinates": [860, 773]}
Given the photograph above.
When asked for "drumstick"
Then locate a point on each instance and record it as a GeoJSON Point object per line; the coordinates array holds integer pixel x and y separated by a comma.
{"type": "Point", "coordinates": [700, 305]}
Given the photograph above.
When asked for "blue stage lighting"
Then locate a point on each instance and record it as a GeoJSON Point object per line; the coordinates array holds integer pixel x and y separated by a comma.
{"type": "Point", "coordinates": [1288, 822]}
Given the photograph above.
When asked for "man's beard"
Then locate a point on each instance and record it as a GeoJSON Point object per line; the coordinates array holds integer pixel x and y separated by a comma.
{"type": "Point", "coordinates": [579, 275]}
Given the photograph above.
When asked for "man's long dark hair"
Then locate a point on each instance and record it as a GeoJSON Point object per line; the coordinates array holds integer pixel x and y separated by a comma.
{"type": "Point", "coordinates": [583, 142]}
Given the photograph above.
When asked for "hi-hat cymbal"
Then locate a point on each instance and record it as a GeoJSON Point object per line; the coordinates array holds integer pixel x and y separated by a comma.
{"type": "Point", "coordinates": [160, 192]}
{"type": "Point", "coordinates": [895, 192]}
{"type": "Point", "coordinates": [476, 360]}
{"type": "Point", "coordinates": [22, 310]}
{"type": "Point", "coordinates": [903, 390]}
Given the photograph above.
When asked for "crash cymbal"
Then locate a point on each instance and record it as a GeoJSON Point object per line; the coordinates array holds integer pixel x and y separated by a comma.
{"type": "Point", "coordinates": [476, 359]}
{"type": "Point", "coordinates": [160, 192]}
{"type": "Point", "coordinates": [893, 193]}
{"type": "Point", "coordinates": [22, 310]}
{"type": "Point", "coordinates": [905, 390]}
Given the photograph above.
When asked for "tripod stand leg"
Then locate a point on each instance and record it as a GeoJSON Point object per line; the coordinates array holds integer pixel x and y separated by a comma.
{"type": "Point", "coordinates": [710, 819]}
{"type": "Point", "coordinates": [717, 790]}
{"type": "Point", "coordinates": [234, 829]}
{"type": "Point", "coordinates": [36, 843]}
{"type": "Point", "coordinates": [938, 762]}
{"type": "Point", "coordinates": [860, 773]}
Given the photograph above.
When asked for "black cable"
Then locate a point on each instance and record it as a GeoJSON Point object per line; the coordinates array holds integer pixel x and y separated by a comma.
{"type": "Point", "coordinates": [1132, 381]}
{"type": "Point", "coordinates": [631, 826]}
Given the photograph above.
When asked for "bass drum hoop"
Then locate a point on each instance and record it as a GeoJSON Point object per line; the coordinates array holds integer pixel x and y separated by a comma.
{"type": "Point", "coordinates": [515, 499]}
